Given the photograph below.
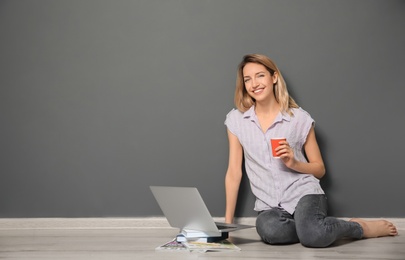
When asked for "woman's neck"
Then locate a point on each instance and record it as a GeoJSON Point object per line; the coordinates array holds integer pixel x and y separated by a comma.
{"type": "Point", "coordinates": [267, 108]}
{"type": "Point", "coordinates": [266, 114]}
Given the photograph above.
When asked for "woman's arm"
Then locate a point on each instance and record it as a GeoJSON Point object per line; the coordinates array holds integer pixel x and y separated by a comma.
{"type": "Point", "coordinates": [315, 165]}
{"type": "Point", "coordinates": [233, 176]}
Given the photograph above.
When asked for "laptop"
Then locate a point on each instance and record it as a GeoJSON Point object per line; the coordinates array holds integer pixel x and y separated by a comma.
{"type": "Point", "coordinates": [185, 209]}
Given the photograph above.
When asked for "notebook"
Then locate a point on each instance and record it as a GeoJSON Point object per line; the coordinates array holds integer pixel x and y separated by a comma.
{"type": "Point", "coordinates": [185, 209]}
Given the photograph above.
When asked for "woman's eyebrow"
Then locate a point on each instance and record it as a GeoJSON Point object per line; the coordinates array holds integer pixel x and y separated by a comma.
{"type": "Point", "coordinates": [255, 74]}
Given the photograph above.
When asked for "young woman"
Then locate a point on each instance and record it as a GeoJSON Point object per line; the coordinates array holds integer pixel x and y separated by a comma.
{"type": "Point", "coordinates": [291, 204]}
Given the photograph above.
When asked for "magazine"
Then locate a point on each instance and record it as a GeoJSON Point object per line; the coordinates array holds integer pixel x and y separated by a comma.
{"type": "Point", "coordinates": [223, 245]}
{"type": "Point", "coordinates": [196, 246]}
{"type": "Point", "coordinates": [172, 245]}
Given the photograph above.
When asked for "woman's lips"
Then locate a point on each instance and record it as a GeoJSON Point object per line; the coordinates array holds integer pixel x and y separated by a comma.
{"type": "Point", "coordinates": [258, 91]}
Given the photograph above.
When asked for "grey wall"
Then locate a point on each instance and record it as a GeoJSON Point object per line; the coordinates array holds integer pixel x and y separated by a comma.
{"type": "Point", "coordinates": [100, 99]}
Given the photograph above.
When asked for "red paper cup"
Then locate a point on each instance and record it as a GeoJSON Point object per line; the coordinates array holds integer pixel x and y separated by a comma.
{"type": "Point", "coordinates": [275, 142]}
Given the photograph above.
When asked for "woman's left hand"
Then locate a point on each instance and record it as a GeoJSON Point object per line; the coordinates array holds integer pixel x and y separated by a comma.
{"type": "Point", "coordinates": [286, 153]}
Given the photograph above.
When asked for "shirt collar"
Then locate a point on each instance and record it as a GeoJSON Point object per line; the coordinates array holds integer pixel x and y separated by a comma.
{"type": "Point", "coordinates": [251, 114]}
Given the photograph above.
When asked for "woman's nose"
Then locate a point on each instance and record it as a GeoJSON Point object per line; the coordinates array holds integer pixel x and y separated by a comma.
{"type": "Point", "coordinates": [255, 83]}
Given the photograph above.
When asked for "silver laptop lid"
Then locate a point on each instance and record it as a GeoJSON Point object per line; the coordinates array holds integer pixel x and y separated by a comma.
{"type": "Point", "coordinates": [184, 208]}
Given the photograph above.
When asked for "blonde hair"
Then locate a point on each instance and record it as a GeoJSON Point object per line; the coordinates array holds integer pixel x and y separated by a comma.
{"type": "Point", "coordinates": [242, 99]}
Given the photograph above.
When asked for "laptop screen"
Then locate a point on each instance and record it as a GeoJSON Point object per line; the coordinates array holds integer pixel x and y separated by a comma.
{"type": "Point", "coordinates": [184, 208]}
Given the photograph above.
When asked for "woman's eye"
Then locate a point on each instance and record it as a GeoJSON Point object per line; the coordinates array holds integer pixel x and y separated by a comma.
{"type": "Point", "coordinates": [246, 80]}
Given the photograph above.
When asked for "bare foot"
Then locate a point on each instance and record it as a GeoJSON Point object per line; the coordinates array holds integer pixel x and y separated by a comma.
{"type": "Point", "coordinates": [376, 228]}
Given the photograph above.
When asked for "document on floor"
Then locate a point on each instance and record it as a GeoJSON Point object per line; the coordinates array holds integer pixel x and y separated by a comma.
{"type": "Point", "coordinates": [194, 246]}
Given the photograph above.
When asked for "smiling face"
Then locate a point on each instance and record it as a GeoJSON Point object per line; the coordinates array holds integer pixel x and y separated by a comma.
{"type": "Point", "coordinates": [259, 82]}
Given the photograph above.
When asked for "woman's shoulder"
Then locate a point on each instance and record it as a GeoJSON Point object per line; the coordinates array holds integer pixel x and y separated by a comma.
{"type": "Point", "coordinates": [300, 113]}
{"type": "Point", "coordinates": [234, 113]}
{"type": "Point", "coordinates": [234, 117]}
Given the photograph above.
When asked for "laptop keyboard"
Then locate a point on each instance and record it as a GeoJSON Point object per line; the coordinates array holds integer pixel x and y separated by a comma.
{"type": "Point", "coordinates": [223, 227]}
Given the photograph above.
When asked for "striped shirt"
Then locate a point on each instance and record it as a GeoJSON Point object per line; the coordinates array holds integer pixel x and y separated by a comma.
{"type": "Point", "coordinates": [273, 184]}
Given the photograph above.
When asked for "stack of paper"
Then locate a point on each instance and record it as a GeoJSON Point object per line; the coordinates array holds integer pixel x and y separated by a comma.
{"type": "Point", "coordinates": [198, 236]}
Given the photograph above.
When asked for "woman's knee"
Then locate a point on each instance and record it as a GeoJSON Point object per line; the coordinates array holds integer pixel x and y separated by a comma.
{"type": "Point", "coordinates": [310, 217]}
{"type": "Point", "coordinates": [275, 228]}
{"type": "Point", "coordinates": [314, 236]}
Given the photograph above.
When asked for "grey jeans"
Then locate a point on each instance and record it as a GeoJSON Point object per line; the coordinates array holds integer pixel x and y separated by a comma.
{"type": "Point", "coordinates": [309, 225]}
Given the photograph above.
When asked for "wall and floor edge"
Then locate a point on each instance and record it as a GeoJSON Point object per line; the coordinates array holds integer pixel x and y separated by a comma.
{"type": "Point", "coordinates": [121, 223]}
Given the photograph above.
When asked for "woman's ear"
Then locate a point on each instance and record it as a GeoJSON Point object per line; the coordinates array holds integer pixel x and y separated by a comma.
{"type": "Point", "coordinates": [275, 77]}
